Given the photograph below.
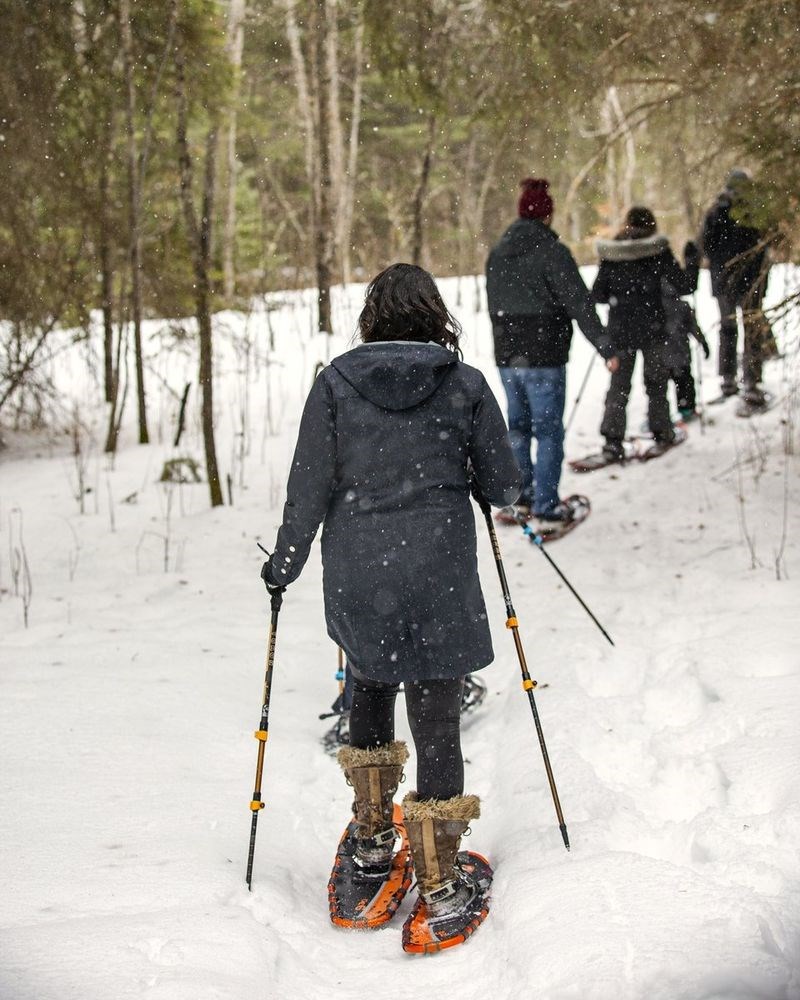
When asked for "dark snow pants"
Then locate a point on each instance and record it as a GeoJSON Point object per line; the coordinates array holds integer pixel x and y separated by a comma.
{"type": "Point", "coordinates": [655, 383]}
{"type": "Point", "coordinates": [684, 387]}
{"type": "Point", "coordinates": [434, 715]}
{"type": "Point", "coordinates": [758, 339]}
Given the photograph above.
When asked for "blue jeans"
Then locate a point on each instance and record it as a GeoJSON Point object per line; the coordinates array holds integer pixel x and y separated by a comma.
{"type": "Point", "coordinates": [536, 410]}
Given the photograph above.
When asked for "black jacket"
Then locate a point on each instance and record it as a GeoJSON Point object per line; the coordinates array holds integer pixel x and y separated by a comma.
{"type": "Point", "coordinates": [535, 290]}
{"type": "Point", "coordinates": [385, 440]}
{"type": "Point", "coordinates": [630, 278]}
{"type": "Point", "coordinates": [736, 267]}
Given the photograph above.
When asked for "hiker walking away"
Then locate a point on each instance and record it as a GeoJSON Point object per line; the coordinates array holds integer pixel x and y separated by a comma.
{"type": "Point", "coordinates": [387, 439]}
{"type": "Point", "coordinates": [739, 265]}
{"type": "Point", "coordinates": [629, 278]}
{"type": "Point", "coordinates": [535, 291]}
{"type": "Point", "coordinates": [681, 324]}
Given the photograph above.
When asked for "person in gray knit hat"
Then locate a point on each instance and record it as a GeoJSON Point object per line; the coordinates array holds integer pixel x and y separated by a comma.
{"type": "Point", "coordinates": [738, 261]}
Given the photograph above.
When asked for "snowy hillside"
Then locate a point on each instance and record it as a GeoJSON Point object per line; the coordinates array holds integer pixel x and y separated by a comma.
{"type": "Point", "coordinates": [128, 705]}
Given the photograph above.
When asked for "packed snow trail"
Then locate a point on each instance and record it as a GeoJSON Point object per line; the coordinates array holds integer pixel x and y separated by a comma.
{"type": "Point", "coordinates": [128, 707]}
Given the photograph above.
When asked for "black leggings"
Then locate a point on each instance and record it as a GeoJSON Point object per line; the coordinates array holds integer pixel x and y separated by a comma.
{"type": "Point", "coordinates": [434, 714]}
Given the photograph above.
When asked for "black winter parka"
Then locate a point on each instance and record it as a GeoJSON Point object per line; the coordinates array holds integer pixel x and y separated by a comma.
{"type": "Point", "coordinates": [630, 278]}
{"type": "Point", "coordinates": [385, 441]}
{"type": "Point", "coordinates": [736, 261]}
{"type": "Point", "coordinates": [535, 291]}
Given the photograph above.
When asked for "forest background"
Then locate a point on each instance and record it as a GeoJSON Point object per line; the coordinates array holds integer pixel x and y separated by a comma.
{"type": "Point", "coordinates": [170, 158]}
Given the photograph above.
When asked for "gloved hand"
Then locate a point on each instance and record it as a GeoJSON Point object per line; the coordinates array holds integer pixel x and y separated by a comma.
{"type": "Point", "coordinates": [269, 582]}
{"type": "Point", "coordinates": [691, 253]}
{"type": "Point", "coordinates": [701, 340]}
{"type": "Point", "coordinates": [475, 490]}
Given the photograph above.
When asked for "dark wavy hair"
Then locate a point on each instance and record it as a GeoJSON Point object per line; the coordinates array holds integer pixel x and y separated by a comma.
{"type": "Point", "coordinates": [403, 303]}
{"type": "Point", "coordinates": [639, 224]}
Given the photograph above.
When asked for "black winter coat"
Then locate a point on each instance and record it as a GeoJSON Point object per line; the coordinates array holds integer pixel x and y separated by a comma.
{"type": "Point", "coordinates": [387, 435]}
{"type": "Point", "coordinates": [629, 280]}
{"type": "Point", "coordinates": [535, 290]}
{"type": "Point", "coordinates": [736, 268]}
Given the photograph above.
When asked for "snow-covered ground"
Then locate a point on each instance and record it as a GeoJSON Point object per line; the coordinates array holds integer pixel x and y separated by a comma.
{"type": "Point", "coordinates": [129, 701]}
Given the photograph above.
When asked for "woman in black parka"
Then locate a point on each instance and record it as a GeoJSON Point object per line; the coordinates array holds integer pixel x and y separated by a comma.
{"type": "Point", "coordinates": [390, 434]}
{"type": "Point", "coordinates": [632, 267]}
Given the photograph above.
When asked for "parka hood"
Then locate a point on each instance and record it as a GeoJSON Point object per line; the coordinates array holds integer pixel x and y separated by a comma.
{"type": "Point", "coordinates": [649, 246]}
{"type": "Point", "coordinates": [395, 375]}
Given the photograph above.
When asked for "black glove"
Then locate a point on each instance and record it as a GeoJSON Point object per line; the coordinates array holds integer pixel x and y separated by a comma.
{"type": "Point", "coordinates": [701, 340]}
{"type": "Point", "coordinates": [475, 490]}
{"type": "Point", "coordinates": [269, 582]}
{"type": "Point", "coordinates": [691, 253]}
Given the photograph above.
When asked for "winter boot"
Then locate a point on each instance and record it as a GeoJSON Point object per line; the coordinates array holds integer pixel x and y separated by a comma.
{"type": "Point", "coordinates": [453, 886]}
{"type": "Point", "coordinates": [512, 515]}
{"type": "Point", "coordinates": [613, 451]}
{"type": "Point", "coordinates": [374, 776]}
{"type": "Point", "coordinates": [369, 877]}
{"type": "Point", "coordinates": [729, 387]}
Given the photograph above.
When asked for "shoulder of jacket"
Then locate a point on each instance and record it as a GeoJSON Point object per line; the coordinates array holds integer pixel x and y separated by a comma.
{"type": "Point", "coordinates": [469, 374]}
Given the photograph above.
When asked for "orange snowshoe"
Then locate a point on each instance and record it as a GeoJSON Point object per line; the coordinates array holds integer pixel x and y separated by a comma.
{"type": "Point", "coordinates": [440, 923]}
{"type": "Point", "coordinates": [367, 895]}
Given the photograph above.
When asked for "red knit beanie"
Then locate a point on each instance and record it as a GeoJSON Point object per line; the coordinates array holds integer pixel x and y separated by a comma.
{"type": "Point", "coordinates": [535, 202]}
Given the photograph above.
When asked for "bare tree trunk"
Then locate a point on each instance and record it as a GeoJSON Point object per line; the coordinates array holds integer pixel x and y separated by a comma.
{"type": "Point", "coordinates": [630, 146]}
{"type": "Point", "coordinates": [344, 214]}
{"type": "Point", "coordinates": [692, 220]}
{"type": "Point", "coordinates": [236, 16]}
{"type": "Point", "coordinates": [318, 29]}
{"type": "Point", "coordinates": [106, 276]}
{"type": "Point", "coordinates": [133, 212]}
{"type": "Point", "coordinates": [611, 168]}
{"type": "Point", "coordinates": [305, 104]}
{"type": "Point", "coordinates": [335, 131]}
{"type": "Point", "coordinates": [199, 233]}
{"type": "Point", "coordinates": [115, 409]}
{"type": "Point", "coordinates": [417, 233]}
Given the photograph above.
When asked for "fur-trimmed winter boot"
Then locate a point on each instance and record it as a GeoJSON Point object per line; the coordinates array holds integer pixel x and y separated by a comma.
{"type": "Point", "coordinates": [370, 877]}
{"type": "Point", "coordinates": [453, 886]}
{"type": "Point", "coordinates": [374, 776]}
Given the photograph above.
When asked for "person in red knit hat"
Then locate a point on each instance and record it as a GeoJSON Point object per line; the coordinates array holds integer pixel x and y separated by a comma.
{"type": "Point", "coordinates": [535, 291]}
{"type": "Point", "coordinates": [535, 201]}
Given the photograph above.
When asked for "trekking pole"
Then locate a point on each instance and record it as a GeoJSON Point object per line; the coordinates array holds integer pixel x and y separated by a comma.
{"type": "Point", "coordinates": [338, 706]}
{"type": "Point", "coordinates": [527, 683]}
{"type": "Point", "coordinates": [699, 363]}
{"type": "Point", "coordinates": [261, 734]}
{"type": "Point", "coordinates": [580, 394]}
{"type": "Point", "coordinates": [538, 541]}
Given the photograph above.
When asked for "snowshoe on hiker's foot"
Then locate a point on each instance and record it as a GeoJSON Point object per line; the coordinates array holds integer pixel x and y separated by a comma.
{"type": "Point", "coordinates": [513, 514]}
{"type": "Point", "coordinates": [370, 878]}
{"type": "Point", "coordinates": [453, 887]}
{"type": "Point", "coordinates": [338, 735]}
{"type": "Point", "coordinates": [728, 389]}
{"type": "Point", "coordinates": [661, 447]}
{"type": "Point", "coordinates": [754, 401]}
{"type": "Point", "coordinates": [568, 514]}
{"type": "Point", "coordinates": [473, 694]}
{"type": "Point", "coordinates": [613, 453]}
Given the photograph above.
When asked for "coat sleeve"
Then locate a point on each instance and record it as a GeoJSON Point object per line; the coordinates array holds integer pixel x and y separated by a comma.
{"type": "Point", "coordinates": [709, 238]}
{"type": "Point", "coordinates": [566, 282]}
{"type": "Point", "coordinates": [684, 281]}
{"type": "Point", "coordinates": [493, 464]}
{"type": "Point", "coordinates": [312, 480]}
{"type": "Point", "coordinates": [600, 292]}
